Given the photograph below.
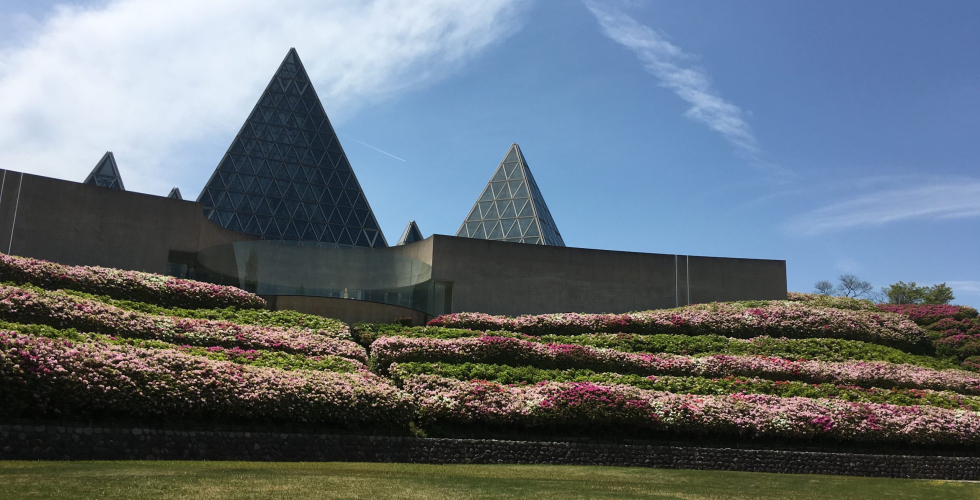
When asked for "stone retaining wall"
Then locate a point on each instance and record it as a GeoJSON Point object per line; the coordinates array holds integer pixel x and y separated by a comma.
{"type": "Point", "coordinates": [48, 442]}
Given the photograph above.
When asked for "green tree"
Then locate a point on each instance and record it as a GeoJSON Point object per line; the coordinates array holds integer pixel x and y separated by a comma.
{"type": "Point", "coordinates": [939, 294]}
{"type": "Point", "coordinates": [910, 293]}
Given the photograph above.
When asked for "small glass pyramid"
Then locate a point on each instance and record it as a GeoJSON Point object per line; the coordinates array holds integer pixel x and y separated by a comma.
{"type": "Point", "coordinates": [105, 173]}
{"type": "Point", "coordinates": [175, 194]}
{"type": "Point", "coordinates": [411, 234]}
{"type": "Point", "coordinates": [511, 207]}
{"type": "Point", "coordinates": [286, 177]}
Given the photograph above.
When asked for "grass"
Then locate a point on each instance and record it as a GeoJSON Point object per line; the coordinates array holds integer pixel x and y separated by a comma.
{"type": "Point", "coordinates": [299, 481]}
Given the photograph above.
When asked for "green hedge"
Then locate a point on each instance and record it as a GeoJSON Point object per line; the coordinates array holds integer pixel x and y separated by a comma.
{"type": "Point", "coordinates": [258, 317]}
{"type": "Point", "coordinates": [269, 359]}
{"type": "Point", "coordinates": [817, 348]}
{"type": "Point", "coordinates": [523, 375]}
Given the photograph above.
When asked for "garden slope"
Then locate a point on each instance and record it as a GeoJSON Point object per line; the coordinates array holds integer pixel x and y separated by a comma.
{"type": "Point", "coordinates": [92, 343]}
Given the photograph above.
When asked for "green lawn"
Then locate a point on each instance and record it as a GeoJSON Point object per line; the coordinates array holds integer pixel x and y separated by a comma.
{"type": "Point", "coordinates": [299, 481]}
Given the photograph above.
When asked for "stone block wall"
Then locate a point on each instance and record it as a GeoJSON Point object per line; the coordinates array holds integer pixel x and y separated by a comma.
{"type": "Point", "coordinates": [50, 442]}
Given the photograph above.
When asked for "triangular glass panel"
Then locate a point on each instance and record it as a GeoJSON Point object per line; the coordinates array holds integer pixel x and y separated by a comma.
{"type": "Point", "coordinates": [105, 173]}
{"type": "Point", "coordinates": [175, 194]}
{"type": "Point", "coordinates": [512, 180]}
{"type": "Point", "coordinates": [411, 234]}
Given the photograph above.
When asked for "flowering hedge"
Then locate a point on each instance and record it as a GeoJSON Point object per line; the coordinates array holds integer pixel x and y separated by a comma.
{"type": "Point", "coordinates": [958, 338]}
{"type": "Point", "coordinates": [131, 285]}
{"type": "Point", "coordinates": [584, 405]}
{"type": "Point", "coordinates": [923, 314]}
{"type": "Point", "coordinates": [815, 299]}
{"type": "Point", "coordinates": [42, 377]}
{"type": "Point", "coordinates": [524, 375]}
{"type": "Point", "coordinates": [61, 310]}
{"type": "Point", "coordinates": [691, 345]}
{"type": "Point", "coordinates": [516, 352]}
{"type": "Point", "coordinates": [776, 320]}
{"type": "Point", "coordinates": [262, 317]}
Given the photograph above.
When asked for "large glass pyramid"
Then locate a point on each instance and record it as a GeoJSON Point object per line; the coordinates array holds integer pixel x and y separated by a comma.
{"type": "Point", "coordinates": [411, 234]}
{"type": "Point", "coordinates": [105, 173]}
{"type": "Point", "coordinates": [286, 177]}
{"type": "Point", "coordinates": [511, 207]}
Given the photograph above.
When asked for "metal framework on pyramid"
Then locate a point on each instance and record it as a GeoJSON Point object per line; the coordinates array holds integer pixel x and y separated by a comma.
{"type": "Point", "coordinates": [286, 177]}
{"type": "Point", "coordinates": [511, 207]}
{"type": "Point", "coordinates": [106, 173]}
{"type": "Point", "coordinates": [411, 234]}
{"type": "Point", "coordinates": [175, 194]}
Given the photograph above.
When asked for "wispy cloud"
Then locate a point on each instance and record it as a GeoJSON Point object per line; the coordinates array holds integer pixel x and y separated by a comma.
{"type": "Point", "coordinates": [155, 81]}
{"type": "Point", "coordinates": [929, 201]}
{"type": "Point", "coordinates": [676, 71]}
{"type": "Point", "coordinates": [964, 286]}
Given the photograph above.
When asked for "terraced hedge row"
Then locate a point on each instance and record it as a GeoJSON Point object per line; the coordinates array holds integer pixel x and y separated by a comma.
{"type": "Point", "coordinates": [529, 375]}
{"type": "Point", "coordinates": [584, 405]}
{"type": "Point", "coordinates": [63, 379]}
{"type": "Point", "coordinates": [127, 285]}
{"type": "Point", "coordinates": [62, 310]}
{"type": "Point", "coordinates": [516, 352]}
{"type": "Point", "coordinates": [790, 320]}
{"type": "Point", "coordinates": [253, 357]}
{"type": "Point", "coordinates": [822, 349]}
{"type": "Point", "coordinates": [260, 317]}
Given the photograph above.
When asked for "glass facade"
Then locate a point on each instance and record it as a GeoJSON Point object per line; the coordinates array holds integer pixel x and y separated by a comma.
{"type": "Point", "coordinates": [511, 207]}
{"type": "Point", "coordinates": [305, 269]}
{"type": "Point", "coordinates": [105, 173]}
{"type": "Point", "coordinates": [411, 234]}
{"type": "Point", "coordinates": [285, 176]}
{"type": "Point", "coordinates": [175, 194]}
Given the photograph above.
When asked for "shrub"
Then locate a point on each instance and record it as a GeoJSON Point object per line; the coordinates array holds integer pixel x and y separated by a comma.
{"type": "Point", "coordinates": [816, 299]}
{"type": "Point", "coordinates": [253, 357]}
{"type": "Point", "coordinates": [61, 310]}
{"type": "Point", "coordinates": [821, 349]}
{"type": "Point", "coordinates": [924, 315]}
{"type": "Point", "coordinates": [263, 317]}
{"type": "Point", "coordinates": [783, 320]}
{"type": "Point", "coordinates": [524, 375]}
{"type": "Point", "coordinates": [516, 352]}
{"type": "Point", "coordinates": [581, 406]}
{"type": "Point", "coordinates": [42, 377]}
{"type": "Point", "coordinates": [128, 285]}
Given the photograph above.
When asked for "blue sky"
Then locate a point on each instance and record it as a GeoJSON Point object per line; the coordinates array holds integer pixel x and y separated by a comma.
{"type": "Point", "coordinates": [839, 136]}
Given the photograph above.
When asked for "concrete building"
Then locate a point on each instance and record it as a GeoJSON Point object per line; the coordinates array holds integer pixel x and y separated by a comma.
{"type": "Point", "coordinates": [284, 216]}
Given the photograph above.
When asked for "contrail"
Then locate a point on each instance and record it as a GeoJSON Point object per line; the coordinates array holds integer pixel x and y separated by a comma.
{"type": "Point", "coordinates": [372, 147]}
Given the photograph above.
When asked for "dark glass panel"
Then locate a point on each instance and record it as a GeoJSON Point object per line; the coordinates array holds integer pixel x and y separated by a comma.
{"type": "Point", "coordinates": [495, 233]}
{"type": "Point", "coordinates": [345, 238]}
{"type": "Point", "coordinates": [509, 210]}
{"type": "Point", "coordinates": [499, 175]}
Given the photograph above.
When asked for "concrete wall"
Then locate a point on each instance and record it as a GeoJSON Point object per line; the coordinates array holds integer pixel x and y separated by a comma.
{"type": "Point", "coordinates": [510, 278]}
{"type": "Point", "coordinates": [74, 223]}
{"type": "Point", "coordinates": [80, 224]}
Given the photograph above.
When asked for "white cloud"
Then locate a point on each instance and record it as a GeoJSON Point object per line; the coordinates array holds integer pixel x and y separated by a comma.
{"type": "Point", "coordinates": [925, 201]}
{"type": "Point", "coordinates": [969, 287]}
{"type": "Point", "coordinates": [150, 79]}
{"type": "Point", "coordinates": [673, 67]}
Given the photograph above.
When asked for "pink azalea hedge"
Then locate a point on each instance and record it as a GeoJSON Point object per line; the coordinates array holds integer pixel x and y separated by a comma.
{"type": "Point", "coordinates": [517, 352]}
{"type": "Point", "coordinates": [56, 378]}
{"type": "Point", "coordinates": [61, 310]}
{"type": "Point", "coordinates": [128, 285]}
{"type": "Point", "coordinates": [584, 405]}
{"type": "Point", "coordinates": [786, 319]}
{"type": "Point", "coordinates": [924, 314]}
